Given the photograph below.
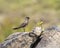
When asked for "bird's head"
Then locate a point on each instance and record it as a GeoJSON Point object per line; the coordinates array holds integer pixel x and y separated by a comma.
{"type": "Point", "coordinates": [27, 18]}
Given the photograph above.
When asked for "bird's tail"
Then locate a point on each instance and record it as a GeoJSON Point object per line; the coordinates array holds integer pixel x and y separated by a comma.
{"type": "Point", "coordinates": [16, 28]}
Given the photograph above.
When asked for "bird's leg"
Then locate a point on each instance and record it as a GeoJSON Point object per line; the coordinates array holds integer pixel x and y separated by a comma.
{"type": "Point", "coordinates": [24, 29]}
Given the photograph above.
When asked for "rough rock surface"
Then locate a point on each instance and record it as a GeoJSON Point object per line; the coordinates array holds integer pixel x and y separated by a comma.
{"type": "Point", "coordinates": [18, 40]}
{"type": "Point", "coordinates": [21, 39]}
{"type": "Point", "coordinates": [50, 39]}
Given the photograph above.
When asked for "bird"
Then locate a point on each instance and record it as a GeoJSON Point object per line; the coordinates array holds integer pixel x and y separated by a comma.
{"type": "Point", "coordinates": [24, 24]}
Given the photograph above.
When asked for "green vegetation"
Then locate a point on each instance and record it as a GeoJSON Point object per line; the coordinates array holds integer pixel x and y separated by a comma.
{"type": "Point", "coordinates": [16, 10]}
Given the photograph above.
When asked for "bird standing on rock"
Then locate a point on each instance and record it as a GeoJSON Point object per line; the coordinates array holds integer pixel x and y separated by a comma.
{"type": "Point", "coordinates": [24, 24]}
{"type": "Point", "coordinates": [24, 39]}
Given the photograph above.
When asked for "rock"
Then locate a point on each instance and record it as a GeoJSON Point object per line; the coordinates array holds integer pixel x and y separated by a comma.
{"type": "Point", "coordinates": [54, 27]}
{"type": "Point", "coordinates": [51, 39]}
{"type": "Point", "coordinates": [21, 39]}
{"type": "Point", "coordinates": [0, 45]}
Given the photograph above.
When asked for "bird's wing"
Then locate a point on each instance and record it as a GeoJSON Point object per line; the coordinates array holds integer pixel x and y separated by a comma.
{"type": "Point", "coordinates": [21, 26]}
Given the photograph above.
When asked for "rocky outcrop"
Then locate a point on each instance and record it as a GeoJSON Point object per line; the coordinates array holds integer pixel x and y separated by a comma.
{"type": "Point", "coordinates": [49, 39]}
{"type": "Point", "coordinates": [21, 39]}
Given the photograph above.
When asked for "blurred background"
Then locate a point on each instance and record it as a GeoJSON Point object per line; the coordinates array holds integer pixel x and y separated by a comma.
{"type": "Point", "coordinates": [13, 12]}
